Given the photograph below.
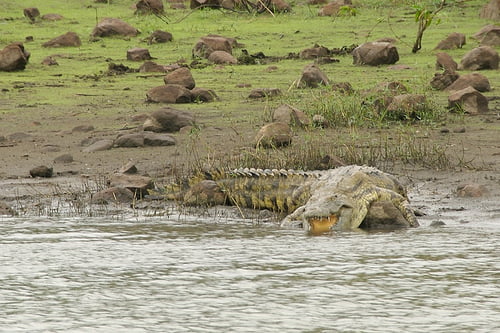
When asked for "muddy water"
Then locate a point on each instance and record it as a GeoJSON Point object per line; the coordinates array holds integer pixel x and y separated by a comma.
{"type": "Point", "coordinates": [165, 275]}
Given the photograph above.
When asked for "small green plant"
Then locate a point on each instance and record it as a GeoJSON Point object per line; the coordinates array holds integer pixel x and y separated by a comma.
{"type": "Point", "coordinates": [424, 17]}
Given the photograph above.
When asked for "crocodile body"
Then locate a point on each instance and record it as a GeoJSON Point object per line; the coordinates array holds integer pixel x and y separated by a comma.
{"type": "Point", "coordinates": [337, 199]}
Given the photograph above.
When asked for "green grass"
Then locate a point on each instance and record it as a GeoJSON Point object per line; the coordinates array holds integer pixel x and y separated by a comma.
{"type": "Point", "coordinates": [78, 82]}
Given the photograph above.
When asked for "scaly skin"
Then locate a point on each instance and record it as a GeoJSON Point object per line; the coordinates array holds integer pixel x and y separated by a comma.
{"type": "Point", "coordinates": [337, 199]}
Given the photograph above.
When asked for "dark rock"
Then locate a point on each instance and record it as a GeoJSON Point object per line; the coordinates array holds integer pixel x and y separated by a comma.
{"type": "Point", "coordinates": [172, 93]}
{"type": "Point", "coordinates": [444, 80]}
{"type": "Point", "coordinates": [68, 39]}
{"type": "Point", "coordinates": [138, 54]}
{"type": "Point", "coordinates": [144, 7]}
{"type": "Point", "coordinates": [181, 76]}
{"type": "Point", "coordinates": [31, 13]}
{"type": "Point", "coordinates": [159, 36]}
{"type": "Point", "coordinates": [132, 140]}
{"type": "Point", "coordinates": [469, 100]}
{"type": "Point", "coordinates": [264, 92]}
{"type": "Point", "coordinates": [157, 139]}
{"type": "Point", "coordinates": [41, 171]}
{"type": "Point", "coordinates": [475, 80]}
{"type": "Point", "coordinates": [454, 40]}
{"type": "Point", "coordinates": [13, 57]}
{"type": "Point", "coordinates": [139, 185]}
{"type": "Point", "coordinates": [128, 168]}
{"type": "Point", "coordinates": [375, 53]}
{"type": "Point", "coordinates": [482, 57]}
{"type": "Point", "coordinates": [168, 120]}
{"type": "Point", "coordinates": [312, 77]}
{"type": "Point", "coordinates": [384, 215]}
{"type": "Point", "coordinates": [113, 195]}
{"type": "Point", "coordinates": [203, 95]}
{"type": "Point", "coordinates": [113, 27]}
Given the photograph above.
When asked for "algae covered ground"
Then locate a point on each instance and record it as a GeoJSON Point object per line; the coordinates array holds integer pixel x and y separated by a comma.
{"type": "Point", "coordinates": [41, 105]}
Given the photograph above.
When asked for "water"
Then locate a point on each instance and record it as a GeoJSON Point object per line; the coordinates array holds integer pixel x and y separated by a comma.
{"type": "Point", "coordinates": [201, 275]}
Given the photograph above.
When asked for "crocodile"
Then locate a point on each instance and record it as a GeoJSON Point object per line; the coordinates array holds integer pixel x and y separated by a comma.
{"type": "Point", "coordinates": [322, 200]}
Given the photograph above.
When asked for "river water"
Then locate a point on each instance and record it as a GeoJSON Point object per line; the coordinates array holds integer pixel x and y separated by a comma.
{"type": "Point", "coordinates": [172, 274]}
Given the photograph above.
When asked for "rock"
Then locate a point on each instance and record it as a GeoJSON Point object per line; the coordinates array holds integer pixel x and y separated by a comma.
{"type": "Point", "coordinates": [406, 106]}
{"type": "Point", "coordinates": [129, 168]}
{"type": "Point", "coordinates": [193, 4]}
{"type": "Point", "coordinates": [375, 53]}
{"type": "Point", "coordinates": [274, 135]}
{"type": "Point", "coordinates": [100, 145]}
{"type": "Point", "coordinates": [168, 120]}
{"type": "Point", "coordinates": [289, 115]}
{"type": "Point", "coordinates": [264, 92]}
{"type": "Point", "coordinates": [159, 36]}
{"type": "Point", "coordinates": [151, 66]}
{"type": "Point", "coordinates": [144, 7]}
{"type": "Point", "coordinates": [112, 27]}
{"type": "Point", "coordinates": [131, 140]}
{"type": "Point", "coordinates": [222, 58]}
{"type": "Point", "coordinates": [31, 13]}
{"type": "Point", "coordinates": [444, 80]}
{"type": "Point", "coordinates": [314, 52]}
{"type": "Point", "coordinates": [171, 93]}
{"type": "Point", "coordinates": [13, 57]}
{"type": "Point", "coordinates": [344, 88]}
{"type": "Point", "coordinates": [206, 45]}
{"type": "Point", "coordinates": [333, 8]}
{"type": "Point", "coordinates": [49, 61]}
{"type": "Point", "coordinates": [139, 185]}
{"type": "Point", "coordinates": [312, 77]}
{"type": "Point", "coordinates": [83, 128]}
{"type": "Point", "coordinates": [491, 11]}
{"type": "Point", "coordinates": [203, 95]}
{"type": "Point", "coordinates": [472, 191]}
{"type": "Point", "coordinates": [157, 139]}
{"type": "Point", "coordinates": [446, 62]}
{"type": "Point", "coordinates": [181, 76]}
{"type": "Point", "coordinates": [277, 6]}
{"type": "Point", "coordinates": [64, 158]}
{"type": "Point", "coordinates": [384, 215]}
{"type": "Point", "coordinates": [52, 17]}
{"type": "Point", "coordinates": [41, 171]}
{"type": "Point", "coordinates": [469, 100]}
{"type": "Point", "coordinates": [437, 223]}
{"type": "Point", "coordinates": [113, 195]}
{"type": "Point", "coordinates": [475, 80]}
{"type": "Point", "coordinates": [454, 40]}
{"type": "Point", "coordinates": [482, 57]}
{"type": "Point", "coordinates": [204, 193]}
{"type": "Point", "coordinates": [68, 39]}
{"type": "Point", "coordinates": [138, 54]}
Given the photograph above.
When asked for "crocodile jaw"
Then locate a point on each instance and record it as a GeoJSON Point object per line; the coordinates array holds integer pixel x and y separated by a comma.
{"type": "Point", "coordinates": [319, 225]}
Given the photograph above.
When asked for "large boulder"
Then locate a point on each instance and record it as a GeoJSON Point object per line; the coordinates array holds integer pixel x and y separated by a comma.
{"type": "Point", "coordinates": [455, 40]}
{"type": "Point", "coordinates": [149, 7]}
{"type": "Point", "coordinates": [441, 81]}
{"type": "Point", "coordinates": [170, 93]}
{"type": "Point", "coordinates": [208, 44]}
{"type": "Point", "coordinates": [112, 26]}
{"type": "Point", "coordinates": [13, 57]}
{"type": "Point", "coordinates": [446, 62]}
{"type": "Point", "coordinates": [203, 95]}
{"type": "Point", "coordinates": [181, 76]}
{"type": "Point", "coordinates": [274, 135]}
{"type": "Point", "coordinates": [290, 115]}
{"type": "Point", "coordinates": [138, 54]}
{"type": "Point", "coordinates": [312, 77]}
{"type": "Point", "coordinates": [476, 80]}
{"type": "Point", "coordinates": [168, 120]}
{"type": "Point", "coordinates": [468, 100]}
{"type": "Point", "coordinates": [482, 57]}
{"type": "Point", "coordinates": [139, 185]}
{"type": "Point", "coordinates": [375, 53]}
{"type": "Point", "coordinates": [68, 39]}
